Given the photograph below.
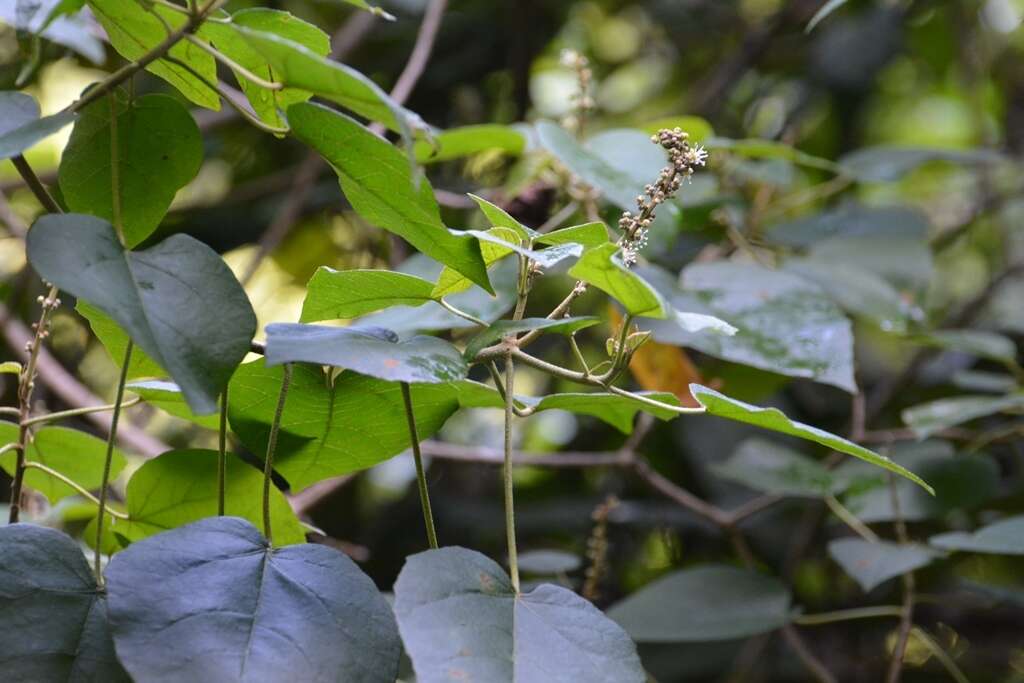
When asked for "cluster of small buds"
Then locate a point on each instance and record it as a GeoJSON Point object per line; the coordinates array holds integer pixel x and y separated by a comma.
{"type": "Point", "coordinates": [48, 304]}
{"type": "Point", "coordinates": [684, 159]}
{"type": "Point", "coordinates": [597, 549]}
{"type": "Point", "coordinates": [581, 100]}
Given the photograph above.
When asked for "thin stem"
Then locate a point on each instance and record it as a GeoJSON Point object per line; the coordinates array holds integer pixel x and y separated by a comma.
{"type": "Point", "coordinates": [421, 479]}
{"type": "Point", "coordinates": [102, 503]}
{"type": "Point", "coordinates": [849, 614]}
{"type": "Point", "coordinates": [115, 169]}
{"type": "Point", "coordinates": [82, 491]}
{"type": "Point", "coordinates": [74, 412]}
{"type": "Point", "coordinates": [9, 410]}
{"type": "Point", "coordinates": [222, 452]}
{"type": "Point", "coordinates": [559, 217]}
{"type": "Point", "coordinates": [268, 464]}
{"type": "Point", "coordinates": [36, 185]}
{"type": "Point", "coordinates": [420, 52]}
{"type": "Point", "coordinates": [233, 65]}
{"type": "Point", "coordinates": [462, 314]}
{"type": "Point", "coordinates": [843, 513]}
{"type": "Point", "coordinates": [506, 473]}
{"type": "Point", "coordinates": [944, 659]}
{"type": "Point", "coordinates": [907, 618]}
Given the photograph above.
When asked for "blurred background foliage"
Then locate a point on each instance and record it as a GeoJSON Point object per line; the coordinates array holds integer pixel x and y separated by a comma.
{"type": "Point", "coordinates": [940, 230]}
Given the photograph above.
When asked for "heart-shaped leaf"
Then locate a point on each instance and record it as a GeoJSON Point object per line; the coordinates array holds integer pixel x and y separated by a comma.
{"type": "Point", "coordinates": [871, 564]}
{"type": "Point", "coordinates": [73, 453]}
{"type": "Point", "coordinates": [178, 300]}
{"type": "Point", "coordinates": [212, 601]}
{"type": "Point", "coordinates": [461, 620]}
{"type": "Point", "coordinates": [702, 604]}
{"type": "Point", "coordinates": [502, 328]}
{"type": "Point", "coordinates": [378, 182]}
{"type": "Point", "coordinates": [53, 617]}
{"type": "Point", "coordinates": [342, 294]}
{"type": "Point", "coordinates": [1005, 537]}
{"type": "Point", "coordinates": [331, 428]}
{"type": "Point", "coordinates": [115, 341]}
{"type": "Point", "coordinates": [371, 351]}
{"type": "Point", "coordinates": [20, 124]}
{"type": "Point", "coordinates": [772, 468]}
{"type": "Point", "coordinates": [159, 150]}
{"type": "Point", "coordinates": [775, 420]}
{"type": "Point", "coordinates": [180, 487]}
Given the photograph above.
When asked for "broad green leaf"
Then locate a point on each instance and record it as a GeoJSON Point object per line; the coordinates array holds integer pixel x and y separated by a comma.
{"type": "Point", "coordinates": [930, 418]}
{"type": "Point", "coordinates": [20, 123]}
{"type": "Point", "coordinates": [701, 604]}
{"type": "Point", "coordinates": [1005, 537]}
{"type": "Point", "coordinates": [135, 29]}
{"type": "Point", "coordinates": [771, 468]}
{"type": "Point", "coordinates": [73, 453]}
{"type": "Point", "coordinates": [499, 218]}
{"type": "Point", "coordinates": [178, 300]}
{"type": "Point", "coordinates": [159, 150]}
{"type": "Point", "coordinates": [775, 420]}
{"type": "Point", "coordinates": [906, 262]}
{"type": "Point", "coordinates": [372, 351]}
{"type": "Point", "coordinates": [871, 564]}
{"type": "Point", "coordinates": [889, 163]}
{"type": "Point", "coordinates": [372, 9]}
{"type": "Point", "coordinates": [504, 242]}
{"type": "Point", "coordinates": [756, 148]}
{"type": "Point", "coordinates": [548, 562]}
{"type": "Point", "coordinates": [167, 396]}
{"type": "Point", "coordinates": [114, 340]}
{"type": "Point", "coordinates": [503, 328]}
{"type": "Point", "coordinates": [53, 616]}
{"type": "Point", "coordinates": [342, 294]}
{"type": "Point", "coordinates": [331, 429]}
{"type": "Point", "coordinates": [826, 9]}
{"type": "Point", "coordinates": [455, 143]}
{"type": "Point", "coordinates": [852, 220]}
{"type": "Point", "coordinates": [460, 619]}
{"type": "Point", "coordinates": [297, 66]}
{"type": "Point", "coordinates": [268, 104]}
{"type": "Point", "coordinates": [785, 324]}
{"type": "Point", "coordinates": [180, 487]}
{"type": "Point", "coordinates": [980, 343]}
{"type": "Point", "coordinates": [602, 267]}
{"type": "Point", "coordinates": [860, 292]}
{"type": "Point", "coordinates": [961, 482]}
{"type": "Point", "coordinates": [378, 182]}
{"type": "Point", "coordinates": [224, 605]}
{"type": "Point", "coordinates": [588, 234]}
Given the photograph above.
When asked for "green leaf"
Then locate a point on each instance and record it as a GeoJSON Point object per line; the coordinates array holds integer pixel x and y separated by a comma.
{"type": "Point", "coordinates": [786, 324]}
{"type": "Point", "coordinates": [503, 328]}
{"type": "Point", "coordinates": [372, 9]}
{"type": "Point", "coordinates": [53, 617]}
{"type": "Point", "coordinates": [460, 619]}
{"type": "Point", "coordinates": [980, 343]}
{"type": "Point", "coordinates": [455, 143]}
{"type": "Point", "coordinates": [495, 244]}
{"type": "Point", "coordinates": [771, 468]}
{"type": "Point", "coordinates": [906, 261]}
{"type": "Point", "coordinates": [701, 604]}
{"type": "Point", "coordinates": [167, 397]}
{"type": "Point", "coordinates": [499, 218]}
{"type": "Point", "coordinates": [135, 29]}
{"type": "Point", "coordinates": [872, 564]}
{"type": "Point", "coordinates": [588, 234]}
{"type": "Point", "coordinates": [159, 150]}
{"type": "Point", "coordinates": [826, 9]}
{"type": "Point", "coordinates": [775, 420]}
{"type": "Point", "coordinates": [115, 340]}
{"type": "Point", "coordinates": [961, 482]}
{"type": "Point", "coordinates": [178, 300]}
{"type": "Point", "coordinates": [268, 104]}
{"type": "Point", "coordinates": [226, 606]}
{"type": "Point", "coordinates": [379, 184]}
{"type": "Point", "coordinates": [1005, 537]}
{"type": "Point", "coordinates": [75, 454]}
{"type": "Point", "coordinates": [299, 67]}
{"type": "Point", "coordinates": [852, 220]}
{"type": "Point", "coordinates": [756, 148]}
{"type": "Point", "coordinates": [602, 267]}
{"type": "Point", "coordinates": [20, 124]}
{"type": "Point", "coordinates": [930, 418]}
{"type": "Point", "coordinates": [336, 295]}
{"type": "Point", "coordinates": [372, 351]}
{"type": "Point", "coordinates": [889, 163]}
{"type": "Point", "coordinates": [860, 292]}
{"type": "Point", "coordinates": [331, 429]}
{"type": "Point", "coordinates": [180, 487]}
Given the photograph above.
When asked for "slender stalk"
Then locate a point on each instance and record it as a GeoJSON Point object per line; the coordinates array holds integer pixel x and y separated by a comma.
{"type": "Point", "coordinates": [506, 474]}
{"type": "Point", "coordinates": [907, 617]}
{"type": "Point", "coordinates": [36, 185]}
{"type": "Point", "coordinates": [268, 465]}
{"type": "Point", "coordinates": [222, 452]}
{"type": "Point", "coordinates": [118, 399]}
{"type": "Point", "coordinates": [421, 479]}
{"type": "Point", "coordinates": [462, 314]}
{"type": "Point", "coordinates": [944, 659]}
{"type": "Point", "coordinates": [75, 412]}
{"type": "Point", "coordinates": [849, 614]}
{"type": "Point", "coordinates": [850, 519]}
{"type": "Point", "coordinates": [82, 491]}
{"type": "Point", "coordinates": [233, 65]}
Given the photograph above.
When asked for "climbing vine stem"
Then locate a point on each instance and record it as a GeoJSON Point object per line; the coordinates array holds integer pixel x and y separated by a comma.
{"type": "Point", "coordinates": [105, 480]}
{"type": "Point", "coordinates": [421, 479]}
{"type": "Point", "coordinates": [222, 452]}
{"type": "Point", "coordinates": [506, 474]}
{"type": "Point", "coordinates": [268, 465]}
